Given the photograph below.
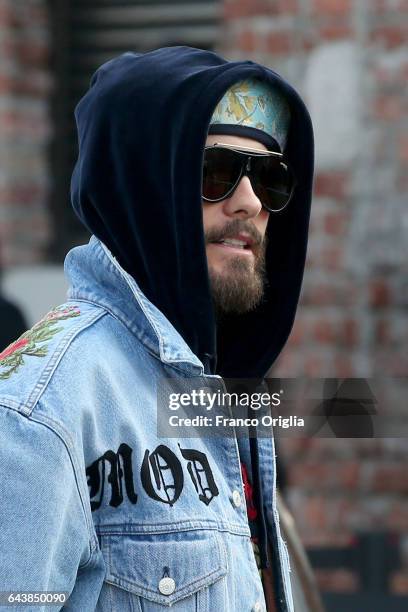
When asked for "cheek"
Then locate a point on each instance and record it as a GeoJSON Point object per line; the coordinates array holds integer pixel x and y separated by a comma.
{"type": "Point", "coordinates": [261, 221]}
{"type": "Point", "coordinates": [209, 215]}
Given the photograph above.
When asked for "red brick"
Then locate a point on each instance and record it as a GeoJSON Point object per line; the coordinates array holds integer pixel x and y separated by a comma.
{"type": "Point", "coordinates": [328, 258]}
{"type": "Point", "coordinates": [382, 331]}
{"type": "Point", "coordinates": [349, 475]}
{"type": "Point", "coordinates": [324, 476]}
{"type": "Point", "coordinates": [379, 294]}
{"type": "Point", "coordinates": [308, 474]}
{"type": "Point", "coordinates": [22, 194]}
{"type": "Point", "coordinates": [33, 54]}
{"type": "Point", "coordinates": [288, 7]}
{"type": "Point", "coordinates": [335, 222]}
{"type": "Point", "coordinates": [390, 362]}
{"type": "Point", "coordinates": [399, 583]}
{"type": "Point", "coordinates": [25, 50]}
{"type": "Point", "coordinates": [244, 8]}
{"type": "Point", "coordinates": [9, 48]}
{"type": "Point", "coordinates": [320, 539]}
{"type": "Point", "coordinates": [327, 293]}
{"type": "Point", "coordinates": [315, 512]}
{"type": "Point", "coordinates": [332, 184]}
{"type": "Point", "coordinates": [320, 294]}
{"type": "Point", "coordinates": [332, 258]}
{"type": "Point", "coordinates": [28, 86]}
{"type": "Point", "coordinates": [403, 148]}
{"type": "Point", "coordinates": [391, 477]}
{"type": "Point", "coordinates": [336, 31]}
{"type": "Point", "coordinates": [6, 83]}
{"type": "Point", "coordinates": [335, 7]}
{"type": "Point", "coordinates": [402, 182]}
{"type": "Point", "coordinates": [37, 14]}
{"type": "Point", "coordinates": [343, 366]}
{"type": "Point", "coordinates": [324, 332]}
{"type": "Point", "coordinates": [233, 9]}
{"type": "Point", "coordinates": [286, 365]}
{"type": "Point", "coordinates": [279, 42]}
{"type": "Point", "coordinates": [389, 107]}
{"type": "Point", "coordinates": [314, 365]}
{"type": "Point", "coordinates": [13, 123]}
{"type": "Point", "coordinates": [349, 332]}
{"type": "Point", "coordinates": [397, 518]}
{"type": "Point", "coordinates": [7, 15]}
{"type": "Point", "coordinates": [309, 41]}
{"type": "Point", "coordinates": [390, 36]}
{"type": "Point", "coordinates": [391, 76]}
{"type": "Point", "coordinates": [299, 333]}
{"type": "Point", "coordinates": [37, 88]}
{"type": "Point", "coordinates": [337, 580]}
{"type": "Point", "coordinates": [295, 447]}
{"type": "Point", "coordinates": [391, 6]}
{"type": "Point", "coordinates": [377, 6]}
{"type": "Point", "coordinates": [247, 41]}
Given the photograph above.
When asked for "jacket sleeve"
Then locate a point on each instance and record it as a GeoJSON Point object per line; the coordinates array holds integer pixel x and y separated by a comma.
{"type": "Point", "coordinates": [44, 534]}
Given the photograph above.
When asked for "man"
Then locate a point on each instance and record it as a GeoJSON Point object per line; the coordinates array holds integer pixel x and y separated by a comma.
{"type": "Point", "coordinates": [194, 271]}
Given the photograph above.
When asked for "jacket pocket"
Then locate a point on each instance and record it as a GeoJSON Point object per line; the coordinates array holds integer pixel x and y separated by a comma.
{"type": "Point", "coordinates": [166, 568]}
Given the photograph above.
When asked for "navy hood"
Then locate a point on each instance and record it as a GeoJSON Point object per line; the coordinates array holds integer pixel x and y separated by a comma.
{"type": "Point", "coordinates": [136, 185]}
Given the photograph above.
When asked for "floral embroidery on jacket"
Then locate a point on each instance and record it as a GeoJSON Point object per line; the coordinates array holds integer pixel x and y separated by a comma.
{"type": "Point", "coordinates": [28, 344]}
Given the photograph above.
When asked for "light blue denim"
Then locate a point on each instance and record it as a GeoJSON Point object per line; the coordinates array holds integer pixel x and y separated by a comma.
{"type": "Point", "coordinates": [83, 508]}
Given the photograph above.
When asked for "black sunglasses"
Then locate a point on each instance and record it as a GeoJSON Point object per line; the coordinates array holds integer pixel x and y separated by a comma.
{"type": "Point", "coordinates": [271, 177]}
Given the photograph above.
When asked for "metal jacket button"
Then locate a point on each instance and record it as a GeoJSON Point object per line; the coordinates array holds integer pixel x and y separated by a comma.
{"type": "Point", "coordinates": [236, 498]}
{"type": "Point", "coordinates": [167, 586]}
{"type": "Point", "coordinates": [258, 607]}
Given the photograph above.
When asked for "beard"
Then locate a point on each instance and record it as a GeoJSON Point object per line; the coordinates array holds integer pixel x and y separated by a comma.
{"type": "Point", "coordinates": [240, 286]}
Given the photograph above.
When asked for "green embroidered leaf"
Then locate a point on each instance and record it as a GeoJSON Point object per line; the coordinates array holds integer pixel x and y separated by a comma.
{"type": "Point", "coordinates": [14, 360]}
{"type": "Point", "coordinates": [39, 351]}
{"type": "Point", "coordinates": [46, 334]}
{"type": "Point", "coordinates": [27, 344]}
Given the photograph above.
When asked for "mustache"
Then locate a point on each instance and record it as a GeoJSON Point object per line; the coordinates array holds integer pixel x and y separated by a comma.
{"type": "Point", "coordinates": [231, 229]}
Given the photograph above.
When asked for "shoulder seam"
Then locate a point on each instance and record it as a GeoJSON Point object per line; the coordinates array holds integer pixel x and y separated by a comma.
{"type": "Point", "coordinates": [49, 370]}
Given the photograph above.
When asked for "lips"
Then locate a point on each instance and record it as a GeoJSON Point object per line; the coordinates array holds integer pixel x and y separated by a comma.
{"type": "Point", "coordinates": [242, 241]}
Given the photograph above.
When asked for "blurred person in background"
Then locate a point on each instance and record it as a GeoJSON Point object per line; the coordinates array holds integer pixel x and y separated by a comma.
{"type": "Point", "coordinates": [12, 321]}
{"type": "Point", "coordinates": [194, 176]}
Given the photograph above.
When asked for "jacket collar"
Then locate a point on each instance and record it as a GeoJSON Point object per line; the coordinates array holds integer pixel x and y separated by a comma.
{"type": "Point", "coordinates": [96, 276]}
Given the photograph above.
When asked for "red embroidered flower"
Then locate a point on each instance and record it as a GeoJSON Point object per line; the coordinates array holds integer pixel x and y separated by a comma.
{"type": "Point", "coordinates": [18, 344]}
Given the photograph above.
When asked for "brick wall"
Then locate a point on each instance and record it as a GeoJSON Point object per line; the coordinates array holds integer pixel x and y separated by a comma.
{"type": "Point", "coordinates": [24, 130]}
{"type": "Point", "coordinates": [348, 60]}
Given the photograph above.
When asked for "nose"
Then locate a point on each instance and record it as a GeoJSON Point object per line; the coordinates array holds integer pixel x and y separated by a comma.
{"type": "Point", "coordinates": [243, 204]}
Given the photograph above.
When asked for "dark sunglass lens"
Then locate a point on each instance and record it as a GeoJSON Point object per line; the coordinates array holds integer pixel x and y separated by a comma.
{"type": "Point", "coordinates": [220, 172]}
{"type": "Point", "coordinates": [273, 182]}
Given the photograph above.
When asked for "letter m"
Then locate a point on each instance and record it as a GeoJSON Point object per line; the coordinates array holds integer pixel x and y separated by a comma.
{"type": "Point", "coordinates": [120, 468]}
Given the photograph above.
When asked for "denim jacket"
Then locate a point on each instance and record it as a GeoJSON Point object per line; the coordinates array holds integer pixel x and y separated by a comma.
{"type": "Point", "coordinates": [95, 504]}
